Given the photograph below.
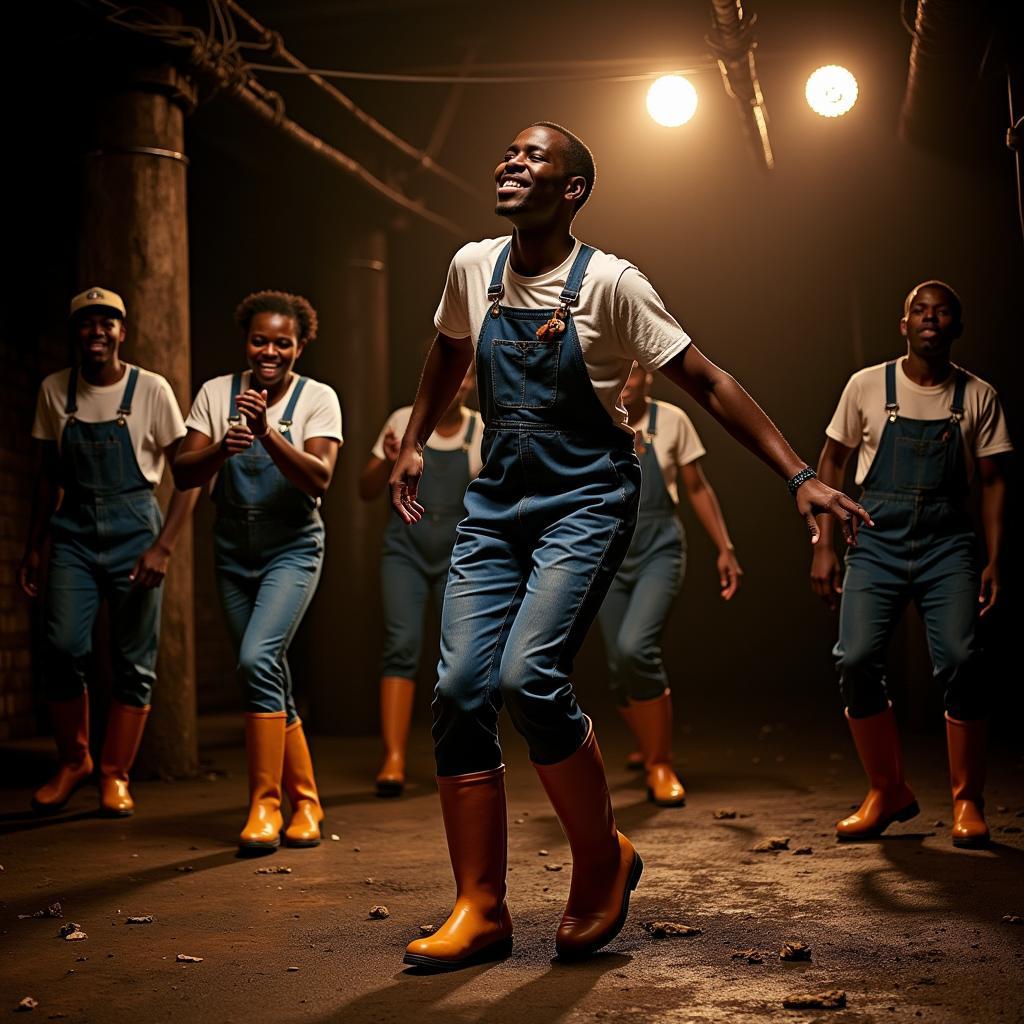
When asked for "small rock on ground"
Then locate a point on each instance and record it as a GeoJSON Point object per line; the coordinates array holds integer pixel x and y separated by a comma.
{"type": "Point", "coordinates": [771, 843]}
{"type": "Point", "coordinates": [379, 913]}
{"type": "Point", "coordinates": [669, 929]}
{"type": "Point", "coordinates": [28, 1003]}
{"type": "Point", "coordinates": [834, 999]}
{"type": "Point", "coordinates": [795, 951]}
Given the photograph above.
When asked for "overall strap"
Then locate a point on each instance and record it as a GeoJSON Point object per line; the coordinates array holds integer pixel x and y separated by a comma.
{"type": "Point", "coordinates": [956, 407]}
{"type": "Point", "coordinates": [496, 289]}
{"type": "Point", "coordinates": [467, 440]}
{"type": "Point", "coordinates": [574, 282]}
{"type": "Point", "coordinates": [289, 411]}
{"type": "Point", "coordinates": [892, 407]}
{"type": "Point", "coordinates": [236, 390]}
{"type": "Point", "coordinates": [129, 393]}
{"type": "Point", "coordinates": [652, 420]}
{"type": "Point", "coordinates": [71, 403]}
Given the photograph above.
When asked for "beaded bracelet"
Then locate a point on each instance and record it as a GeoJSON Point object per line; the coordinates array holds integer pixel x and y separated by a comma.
{"type": "Point", "coordinates": [802, 477]}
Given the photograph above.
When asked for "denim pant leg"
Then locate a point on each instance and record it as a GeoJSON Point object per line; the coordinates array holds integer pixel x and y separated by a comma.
{"type": "Point", "coordinates": [948, 602]}
{"type": "Point", "coordinates": [870, 607]}
{"type": "Point", "coordinates": [135, 638]}
{"type": "Point", "coordinates": [611, 615]}
{"type": "Point", "coordinates": [404, 593]}
{"type": "Point", "coordinates": [484, 590]}
{"type": "Point", "coordinates": [72, 604]}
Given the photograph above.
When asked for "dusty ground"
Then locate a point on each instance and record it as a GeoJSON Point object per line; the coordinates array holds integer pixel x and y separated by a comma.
{"type": "Point", "coordinates": [909, 928]}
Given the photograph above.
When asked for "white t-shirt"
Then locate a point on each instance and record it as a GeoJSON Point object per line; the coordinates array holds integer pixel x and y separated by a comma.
{"type": "Point", "coordinates": [399, 420]}
{"type": "Point", "coordinates": [861, 417]}
{"type": "Point", "coordinates": [619, 317]}
{"type": "Point", "coordinates": [155, 420]}
{"type": "Point", "coordinates": [676, 443]}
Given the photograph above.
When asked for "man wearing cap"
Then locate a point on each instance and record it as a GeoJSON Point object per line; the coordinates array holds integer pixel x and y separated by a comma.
{"type": "Point", "coordinates": [105, 430]}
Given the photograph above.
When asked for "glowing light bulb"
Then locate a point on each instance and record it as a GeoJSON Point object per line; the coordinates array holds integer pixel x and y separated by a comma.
{"type": "Point", "coordinates": [831, 91]}
{"type": "Point", "coordinates": [672, 101]}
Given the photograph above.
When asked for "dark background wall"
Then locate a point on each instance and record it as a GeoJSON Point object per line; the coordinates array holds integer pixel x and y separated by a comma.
{"type": "Point", "coordinates": [791, 280]}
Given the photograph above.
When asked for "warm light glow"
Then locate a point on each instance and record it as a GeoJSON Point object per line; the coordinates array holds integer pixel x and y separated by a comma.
{"type": "Point", "coordinates": [831, 91]}
{"type": "Point", "coordinates": [671, 101]}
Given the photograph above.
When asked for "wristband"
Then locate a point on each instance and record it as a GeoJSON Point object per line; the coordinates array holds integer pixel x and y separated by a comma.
{"type": "Point", "coordinates": [802, 477]}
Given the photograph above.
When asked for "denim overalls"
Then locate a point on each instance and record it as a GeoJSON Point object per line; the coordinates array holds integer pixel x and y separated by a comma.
{"type": "Point", "coordinates": [921, 548]}
{"type": "Point", "coordinates": [414, 563]}
{"type": "Point", "coordinates": [637, 607]}
{"type": "Point", "coordinates": [269, 549]}
{"type": "Point", "coordinates": [549, 520]}
{"type": "Point", "coordinates": [107, 519]}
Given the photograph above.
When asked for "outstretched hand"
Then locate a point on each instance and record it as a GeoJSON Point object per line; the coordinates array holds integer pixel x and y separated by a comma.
{"type": "Point", "coordinates": [404, 483]}
{"type": "Point", "coordinates": [813, 498]}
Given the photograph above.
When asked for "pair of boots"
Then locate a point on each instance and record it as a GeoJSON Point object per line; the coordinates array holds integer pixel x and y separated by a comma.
{"type": "Point", "coordinates": [396, 701]}
{"type": "Point", "coordinates": [70, 720]}
{"type": "Point", "coordinates": [278, 757]}
{"type": "Point", "coordinates": [605, 871]}
{"type": "Point", "coordinates": [889, 798]}
{"type": "Point", "coordinates": [650, 721]}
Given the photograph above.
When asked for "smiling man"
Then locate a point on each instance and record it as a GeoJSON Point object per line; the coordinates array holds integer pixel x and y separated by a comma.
{"type": "Point", "coordinates": [105, 431]}
{"type": "Point", "coordinates": [923, 426]}
{"type": "Point", "coordinates": [555, 326]}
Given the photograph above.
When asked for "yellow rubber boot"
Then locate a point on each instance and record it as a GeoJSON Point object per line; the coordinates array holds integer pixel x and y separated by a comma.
{"type": "Point", "coordinates": [396, 701]}
{"type": "Point", "coordinates": [264, 747]}
{"type": "Point", "coordinates": [300, 786]}
{"type": "Point", "coordinates": [653, 723]}
{"type": "Point", "coordinates": [605, 867]}
{"type": "Point", "coordinates": [70, 721]}
{"type": "Point", "coordinates": [125, 725]}
{"type": "Point", "coordinates": [889, 797]}
{"type": "Point", "coordinates": [479, 928]}
{"type": "Point", "coordinates": [967, 742]}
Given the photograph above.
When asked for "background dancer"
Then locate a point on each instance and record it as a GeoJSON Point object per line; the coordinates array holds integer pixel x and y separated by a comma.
{"type": "Point", "coordinates": [923, 426]}
{"type": "Point", "coordinates": [270, 440]}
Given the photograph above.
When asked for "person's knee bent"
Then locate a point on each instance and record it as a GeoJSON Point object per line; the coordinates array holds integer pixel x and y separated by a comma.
{"type": "Point", "coordinates": [861, 681]}
{"type": "Point", "coordinates": [641, 669]}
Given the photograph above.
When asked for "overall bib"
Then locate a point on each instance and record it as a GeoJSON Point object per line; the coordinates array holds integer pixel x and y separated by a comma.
{"type": "Point", "coordinates": [640, 599]}
{"type": "Point", "coordinates": [921, 549]}
{"type": "Point", "coordinates": [109, 516]}
{"type": "Point", "coordinates": [415, 563]}
{"type": "Point", "coordinates": [549, 520]}
{"type": "Point", "coordinates": [268, 552]}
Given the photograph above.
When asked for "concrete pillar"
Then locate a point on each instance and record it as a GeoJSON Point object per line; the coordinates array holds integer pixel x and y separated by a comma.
{"type": "Point", "coordinates": [134, 239]}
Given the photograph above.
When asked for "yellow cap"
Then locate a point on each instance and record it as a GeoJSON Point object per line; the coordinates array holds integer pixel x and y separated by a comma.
{"type": "Point", "coordinates": [97, 297]}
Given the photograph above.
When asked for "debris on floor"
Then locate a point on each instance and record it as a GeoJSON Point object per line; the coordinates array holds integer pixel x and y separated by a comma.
{"type": "Point", "coordinates": [335, 837]}
{"type": "Point", "coordinates": [1013, 919]}
{"type": "Point", "coordinates": [291, 968]}
{"type": "Point", "coordinates": [770, 844]}
{"type": "Point", "coordinates": [670, 929]}
{"type": "Point", "coordinates": [834, 999]}
{"type": "Point", "coordinates": [274, 869]}
{"type": "Point", "coordinates": [28, 1003]}
{"type": "Point", "coordinates": [378, 913]}
{"type": "Point", "coordinates": [184, 958]}
{"type": "Point", "coordinates": [552, 867]}
{"type": "Point", "coordinates": [724, 814]}
{"type": "Point", "coordinates": [428, 929]}
{"type": "Point", "coordinates": [803, 851]}
{"type": "Point", "coordinates": [184, 867]}
{"type": "Point", "coordinates": [795, 951]}
{"type": "Point", "coordinates": [542, 853]}
{"type": "Point", "coordinates": [53, 910]}
{"type": "Point", "coordinates": [141, 919]}
{"type": "Point", "coordinates": [751, 956]}
{"type": "Point", "coordinates": [72, 932]}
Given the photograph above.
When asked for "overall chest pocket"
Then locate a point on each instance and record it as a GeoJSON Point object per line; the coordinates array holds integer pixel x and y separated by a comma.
{"type": "Point", "coordinates": [98, 464]}
{"type": "Point", "coordinates": [524, 374]}
{"type": "Point", "coordinates": [920, 463]}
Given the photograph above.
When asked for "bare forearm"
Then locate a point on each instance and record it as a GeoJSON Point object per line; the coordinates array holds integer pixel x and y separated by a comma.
{"type": "Point", "coordinates": [374, 479]}
{"type": "Point", "coordinates": [832, 474]}
{"type": "Point", "coordinates": [993, 506]}
{"type": "Point", "coordinates": [196, 468]}
{"type": "Point", "coordinates": [302, 469]}
{"type": "Point", "coordinates": [443, 372]}
{"type": "Point", "coordinates": [709, 512]}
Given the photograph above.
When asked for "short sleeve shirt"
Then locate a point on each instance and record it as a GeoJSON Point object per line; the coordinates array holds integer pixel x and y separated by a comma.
{"type": "Point", "coordinates": [619, 318]}
{"type": "Point", "coordinates": [399, 420]}
{"type": "Point", "coordinates": [676, 443]}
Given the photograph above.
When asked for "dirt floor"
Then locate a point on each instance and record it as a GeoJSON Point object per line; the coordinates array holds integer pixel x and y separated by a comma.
{"type": "Point", "coordinates": [909, 928]}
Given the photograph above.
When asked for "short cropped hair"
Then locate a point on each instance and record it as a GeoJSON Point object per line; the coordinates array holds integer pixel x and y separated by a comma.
{"type": "Point", "coordinates": [579, 159]}
{"type": "Point", "coordinates": [295, 306]}
{"type": "Point", "coordinates": [954, 299]}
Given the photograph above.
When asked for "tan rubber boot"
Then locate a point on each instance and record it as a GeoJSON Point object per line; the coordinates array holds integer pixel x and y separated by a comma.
{"type": "Point", "coordinates": [264, 747]}
{"type": "Point", "coordinates": [125, 725]}
{"type": "Point", "coordinates": [653, 722]}
{"type": "Point", "coordinates": [479, 928]}
{"type": "Point", "coordinates": [889, 798]}
{"type": "Point", "coordinates": [967, 742]}
{"type": "Point", "coordinates": [605, 867]}
{"type": "Point", "coordinates": [396, 700]}
{"type": "Point", "coordinates": [300, 785]}
{"type": "Point", "coordinates": [70, 721]}
{"type": "Point", "coordinates": [635, 758]}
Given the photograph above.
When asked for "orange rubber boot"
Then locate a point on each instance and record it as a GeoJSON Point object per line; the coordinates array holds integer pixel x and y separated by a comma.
{"type": "Point", "coordinates": [889, 798]}
{"type": "Point", "coordinates": [396, 699]}
{"type": "Point", "coordinates": [300, 785]}
{"type": "Point", "coordinates": [653, 723]}
{"type": "Point", "coordinates": [605, 867]}
{"type": "Point", "coordinates": [125, 725]}
{"type": "Point", "coordinates": [70, 720]}
{"type": "Point", "coordinates": [967, 742]}
{"type": "Point", "coordinates": [479, 928]}
{"type": "Point", "coordinates": [264, 747]}
{"type": "Point", "coordinates": [635, 758]}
